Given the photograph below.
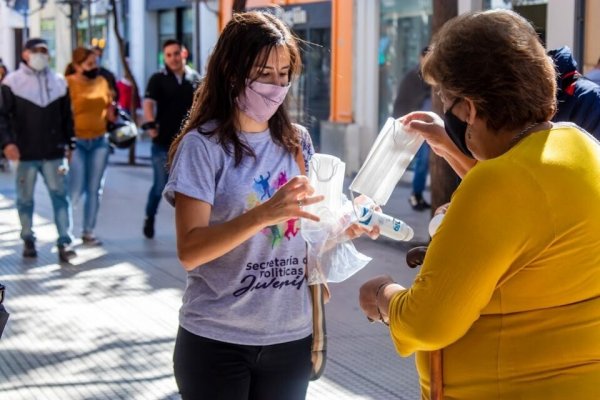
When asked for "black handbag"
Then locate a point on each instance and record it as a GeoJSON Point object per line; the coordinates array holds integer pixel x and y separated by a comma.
{"type": "Point", "coordinates": [3, 313]}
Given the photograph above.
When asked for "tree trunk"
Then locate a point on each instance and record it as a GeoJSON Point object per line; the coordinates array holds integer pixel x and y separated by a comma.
{"type": "Point", "coordinates": [128, 73]}
{"type": "Point", "coordinates": [239, 6]}
{"type": "Point", "coordinates": [444, 180]}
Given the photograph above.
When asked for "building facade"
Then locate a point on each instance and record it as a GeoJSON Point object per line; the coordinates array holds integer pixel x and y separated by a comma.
{"type": "Point", "coordinates": [355, 51]}
{"type": "Point", "coordinates": [13, 21]}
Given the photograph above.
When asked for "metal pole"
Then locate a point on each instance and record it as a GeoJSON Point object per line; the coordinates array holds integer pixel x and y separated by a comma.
{"type": "Point", "coordinates": [24, 33]}
{"type": "Point", "coordinates": [579, 45]}
{"type": "Point", "coordinates": [74, 18]}
{"type": "Point", "coordinates": [89, 22]}
{"type": "Point", "coordinates": [197, 56]}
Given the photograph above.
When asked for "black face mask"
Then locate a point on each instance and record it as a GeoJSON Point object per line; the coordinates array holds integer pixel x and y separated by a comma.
{"type": "Point", "coordinates": [457, 130]}
{"type": "Point", "coordinates": [91, 74]}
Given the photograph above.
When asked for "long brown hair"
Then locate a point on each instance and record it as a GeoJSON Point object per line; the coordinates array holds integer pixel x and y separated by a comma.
{"type": "Point", "coordinates": [79, 55]}
{"type": "Point", "coordinates": [245, 42]}
{"type": "Point", "coordinates": [496, 59]}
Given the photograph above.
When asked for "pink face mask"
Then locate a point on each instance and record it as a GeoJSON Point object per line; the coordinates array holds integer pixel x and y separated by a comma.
{"type": "Point", "coordinates": [260, 101]}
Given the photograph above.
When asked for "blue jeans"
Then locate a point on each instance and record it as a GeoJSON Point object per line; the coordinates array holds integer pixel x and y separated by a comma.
{"type": "Point", "coordinates": [54, 173]}
{"type": "Point", "coordinates": [161, 175]}
{"type": "Point", "coordinates": [88, 165]}
{"type": "Point", "coordinates": [421, 169]}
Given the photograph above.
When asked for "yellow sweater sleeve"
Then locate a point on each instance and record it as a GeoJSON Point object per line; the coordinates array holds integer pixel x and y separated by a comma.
{"type": "Point", "coordinates": [491, 229]}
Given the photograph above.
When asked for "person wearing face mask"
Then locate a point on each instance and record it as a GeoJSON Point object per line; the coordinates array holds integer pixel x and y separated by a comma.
{"type": "Point", "coordinates": [36, 130]}
{"type": "Point", "coordinates": [507, 302]}
{"type": "Point", "coordinates": [92, 103]}
{"type": "Point", "coordinates": [246, 319]}
{"type": "Point", "coordinates": [167, 99]}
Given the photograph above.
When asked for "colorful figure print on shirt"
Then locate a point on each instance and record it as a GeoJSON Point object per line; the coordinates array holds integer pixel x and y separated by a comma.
{"type": "Point", "coordinates": [262, 190]}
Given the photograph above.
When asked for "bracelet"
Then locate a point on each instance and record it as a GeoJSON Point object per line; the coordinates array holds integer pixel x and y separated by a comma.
{"type": "Point", "coordinates": [379, 289]}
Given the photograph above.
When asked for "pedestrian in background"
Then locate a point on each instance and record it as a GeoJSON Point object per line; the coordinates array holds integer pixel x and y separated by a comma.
{"type": "Point", "coordinates": [246, 320]}
{"type": "Point", "coordinates": [126, 100]}
{"type": "Point", "coordinates": [415, 94]}
{"type": "Point", "coordinates": [169, 95]}
{"type": "Point", "coordinates": [36, 130]}
{"type": "Point", "coordinates": [578, 98]}
{"type": "Point", "coordinates": [91, 99]}
{"type": "Point", "coordinates": [509, 290]}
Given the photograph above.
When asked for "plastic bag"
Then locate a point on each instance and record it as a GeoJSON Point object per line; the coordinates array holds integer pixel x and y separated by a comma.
{"type": "Point", "coordinates": [331, 256]}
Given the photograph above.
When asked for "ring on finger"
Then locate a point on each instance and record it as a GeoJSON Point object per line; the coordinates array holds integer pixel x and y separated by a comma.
{"type": "Point", "coordinates": [300, 203]}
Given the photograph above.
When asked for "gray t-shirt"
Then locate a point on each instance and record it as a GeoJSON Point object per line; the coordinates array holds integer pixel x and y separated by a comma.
{"type": "Point", "coordinates": [256, 294]}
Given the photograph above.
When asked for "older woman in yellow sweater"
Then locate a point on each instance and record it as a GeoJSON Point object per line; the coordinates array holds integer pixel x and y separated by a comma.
{"type": "Point", "coordinates": [510, 285]}
{"type": "Point", "coordinates": [91, 100]}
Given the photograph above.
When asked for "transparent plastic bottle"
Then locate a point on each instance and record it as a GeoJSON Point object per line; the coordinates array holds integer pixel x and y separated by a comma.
{"type": "Point", "coordinates": [388, 226]}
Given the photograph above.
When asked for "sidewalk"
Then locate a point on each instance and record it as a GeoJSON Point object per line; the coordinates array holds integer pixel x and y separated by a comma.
{"type": "Point", "coordinates": [104, 327]}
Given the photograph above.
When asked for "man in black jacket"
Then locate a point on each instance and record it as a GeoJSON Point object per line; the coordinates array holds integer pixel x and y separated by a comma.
{"type": "Point", "coordinates": [36, 129]}
{"type": "Point", "coordinates": [169, 95]}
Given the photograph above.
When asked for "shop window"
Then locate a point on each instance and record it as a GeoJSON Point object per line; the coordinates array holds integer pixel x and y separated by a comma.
{"type": "Point", "coordinates": [177, 23]}
{"type": "Point", "coordinates": [535, 11]}
{"type": "Point", "coordinates": [48, 33]}
{"type": "Point", "coordinates": [405, 29]}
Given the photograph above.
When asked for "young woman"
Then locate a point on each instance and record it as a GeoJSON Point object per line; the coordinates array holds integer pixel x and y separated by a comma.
{"type": "Point", "coordinates": [245, 324]}
{"type": "Point", "coordinates": [91, 101]}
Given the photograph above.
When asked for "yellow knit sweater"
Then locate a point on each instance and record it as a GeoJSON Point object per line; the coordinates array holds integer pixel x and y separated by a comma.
{"type": "Point", "coordinates": [510, 287]}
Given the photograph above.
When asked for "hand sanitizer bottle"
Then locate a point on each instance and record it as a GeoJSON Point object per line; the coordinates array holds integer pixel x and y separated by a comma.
{"type": "Point", "coordinates": [388, 226]}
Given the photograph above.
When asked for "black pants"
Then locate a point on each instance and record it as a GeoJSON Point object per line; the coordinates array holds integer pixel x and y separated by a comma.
{"type": "Point", "coordinates": [213, 370]}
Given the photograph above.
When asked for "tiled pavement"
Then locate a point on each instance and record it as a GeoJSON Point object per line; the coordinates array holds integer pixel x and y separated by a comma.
{"type": "Point", "coordinates": [104, 327]}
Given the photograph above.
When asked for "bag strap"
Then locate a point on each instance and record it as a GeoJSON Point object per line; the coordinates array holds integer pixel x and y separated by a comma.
{"type": "Point", "coordinates": [319, 338]}
{"type": "Point", "coordinates": [319, 295]}
{"type": "Point", "coordinates": [436, 375]}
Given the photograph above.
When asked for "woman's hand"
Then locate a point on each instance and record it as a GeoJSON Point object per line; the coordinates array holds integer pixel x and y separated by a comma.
{"type": "Point", "coordinates": [374, 297]}
{"type": "Point", "coordinates": [288, 201]}
{"type": "Point", "coordinates": [442, 209]}
{"type": "Point", "coordinates": [356, 229]}
{"type": "Point", "coordinates": [431, 127]}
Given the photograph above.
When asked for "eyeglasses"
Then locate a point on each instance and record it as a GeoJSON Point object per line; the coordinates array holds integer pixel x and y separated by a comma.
{"type": "Point", "coordinates": [445, 100]}
{"type": "Point", "coordinates": [441, 96]}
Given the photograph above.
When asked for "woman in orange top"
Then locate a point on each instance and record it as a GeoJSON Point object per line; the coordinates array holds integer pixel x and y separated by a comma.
{"type": "Point", "coordinates": [91, 100]}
